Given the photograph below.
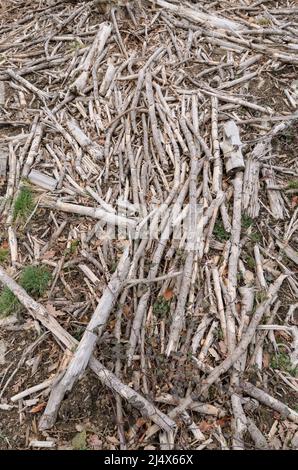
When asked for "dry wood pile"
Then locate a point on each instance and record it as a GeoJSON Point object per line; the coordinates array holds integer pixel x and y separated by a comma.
{"type": "Point", "coordinates": [148, 168]}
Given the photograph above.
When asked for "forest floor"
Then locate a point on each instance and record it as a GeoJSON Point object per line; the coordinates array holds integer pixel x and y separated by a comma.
{"type": "Point", "coordinates": [149, 196]}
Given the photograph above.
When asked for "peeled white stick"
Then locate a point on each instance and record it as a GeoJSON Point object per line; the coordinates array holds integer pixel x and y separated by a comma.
{"type": "Point", "coordinates": [178, 318]}
{"type": "Point", "coordinates": [247, 337]}
{"type": "Point", "coordinates": [220, 304]}
{"type": "Point", "coordinates": [256, 435]}
{"type": "Point", "coordinates": [270, 401]}
{"type": "Point", "coordinates": [33, 152]}
{"type": "Point", "coordinates": [13, 245]}
{"type": "Point", "coordinates": [231, 147]}
{"type": "Point", "coordinates": [96, 49]}
{"type": "Point", "coordinates": [233, 261]}
{"type": "Point", "coordinates": [38, 312]}
{"type": "Point", "coordinates": [94, 150]}
{"type": "Point", "coordinates": [94, 212]}
{"type": "Point", "coordinates": [259, 268]}
{"type": "Point", "coordinates": [251, 186]}
{"type": "Point", "coordinates": [42, 95]}
{"type": "Point", "coordinates": [94, 329]}
{"type": "Point", "coordinates": [12, 162]}
{"type": "Point", "coordinates": [197, 16]}
{"type": "Point", "coordinates": [42, 444]}
{"type": "Point", "coordinates": [36, 388]}
{"type": "Point", "coordinates": [108, 78]}
{"type": "Point", "coordinates": [157, 256]}
{"type": "Point", "coordinates": [42, 180]}
{"type": "Point", "coordinates": [2, 95]}
{"type": "Point", "coordinates": [274, 197]}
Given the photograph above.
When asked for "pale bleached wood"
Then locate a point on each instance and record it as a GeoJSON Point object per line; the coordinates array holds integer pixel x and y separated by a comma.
{"type": "Point", "coordinates": [108, 78]}
{"type": "Point", "coordinates": [178, 318]}
{"type": "Point", "coordinates": [94, 212]}
{"type": "Point", "coordinates": [232, 148]}
{"type": "Point", "coordinates": [94, 150]}
{"type": "Point", "coordinates": [197, 16]}
{"type": "Point", "coordinates": [2, 94]}
{"type": "Point", "coordinates": [3, 162]}
{"type": "Point", "coordinates": [251, 186]}
{"type": "Point", "coordinates": [275, 200]}
{"type": "Point", "coordinates": [256, 435]}
{"type": "Point", "coordinates": [270, 401]}
{"type": "Point", "coordinates": [42, 180]}
{"type": "Point", "coordinates": [96, 49]}
{"type": "Point", "coordinates": [87, 344]}
{"type": "Point", "coordinates": [247, 337]}
{"type": "Point", "coordinates": [38, 312]}
{"type": "Point", "coordinates": [289, 251]}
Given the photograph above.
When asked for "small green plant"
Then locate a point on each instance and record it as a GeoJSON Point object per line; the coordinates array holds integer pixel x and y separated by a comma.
{"type": "Point", "coordinates": [246, 221]}
{"type": "Point", "coordinates": [24, 204]}
{"type": "Point", "coordinates": [73, 246]}
{"type": "Point", "coordinates": [261, 296]}
{"type": "Point", "coordinates": [76, 45]}
{"type": "Point", "coordinates": [8, 303]}
{"type": "Point", "coordinates": [287, 136]}
{"type": "Point", "coordinates": [250, 261]}
{"type": "Point", "coordinates": [282, 361]}
{"type": "Point", "coordinates": [3, 254]}
{"type": "Point", "coordinates": [219, 232]}
{"type": "Point", "coordinates": [181, 256]}
{"type": "Point", "coordinates": [219, 334]}
{"type": "Point", "coordinates": [255, 237]}
{"type": "Point", "coordinates": [34, 279]}
{"type": "Point", "coordinates": [293, 184]}
{"type": "Point", "coordinates": [161, 307]}
{"type": "Point", "coordinates": [78, 333]}
{"type": "Point", "coordinates": [79, 442]}
{"type": "Point", "coordinates": [263, 21]}
{"type": "Point", "coordinates": [295, 407]}
{"type": "Point", "coordinates": [113, 266]}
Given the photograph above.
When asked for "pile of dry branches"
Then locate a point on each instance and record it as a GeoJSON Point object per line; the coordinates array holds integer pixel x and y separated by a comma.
{"type": "Point", "coordinates": [163, 204]}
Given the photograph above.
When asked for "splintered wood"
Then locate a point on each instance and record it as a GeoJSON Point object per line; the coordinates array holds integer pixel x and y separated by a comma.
{"type": "Point", "coordinates": [148, 164]}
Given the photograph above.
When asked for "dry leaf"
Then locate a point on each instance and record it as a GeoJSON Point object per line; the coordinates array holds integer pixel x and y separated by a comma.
{"type": "Point", "coordinates": [127, 311]}
{"type": "Point", "coordinates": [53, 312]}
{"type": "Point", "coordinates": [111, 325]}
{"type": "Point", "coordinates": [112, 440]}
{"type": "Point", "coordinates": [49, 254]}
{"type": "Point", "coordinates": [294, 202]}
{"type": "Point", "coordinates": [140, 422]}
{"type": "Point", "coordinates": [204, 426]}
{"type": "Point", "coordinates": [168, 294]}
{"type": "Point", "coordinates": [222, 347]}
{"type": "Point", "coordinates": [266, 360]}
{"type": "Point", "coordinates": [94, 442]}
{"type": "Point", "coordinates": [224, 421]}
